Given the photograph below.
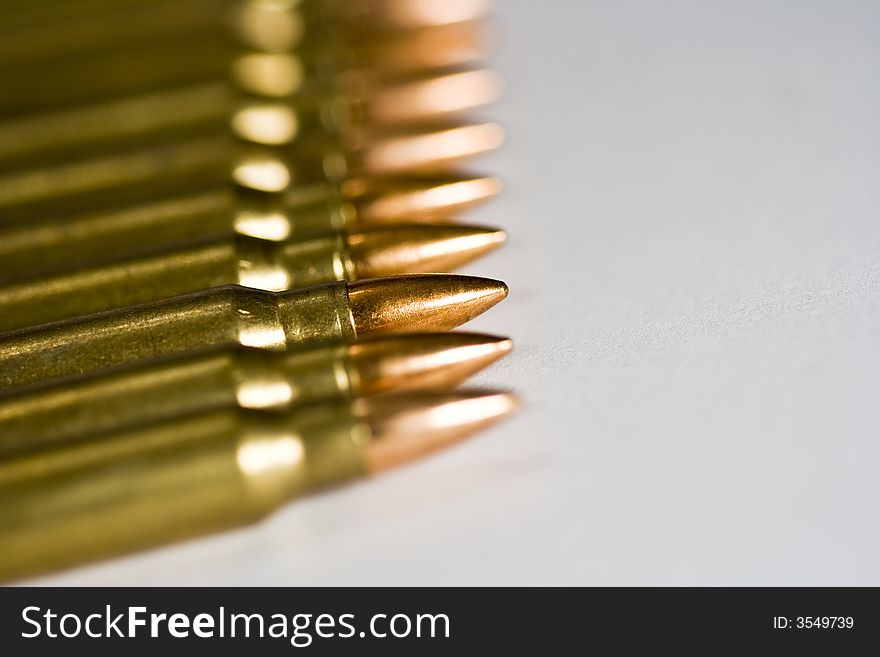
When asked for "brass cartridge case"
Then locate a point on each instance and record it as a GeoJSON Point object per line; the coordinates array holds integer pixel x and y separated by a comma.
{"type": "Point", "coordinates": [165, 483]}
{"type": "Point", "coordinates": [31, 245]}
{"type": "Point", "coordinates": [248, 261]}
{"type": "Point", "coordinates": [45, 30]}
{"type": "Point", "coordinates": [42, 416]}
{"type": "Point", "coordinates": [204, 473]}
{"type": "Point", "coordinates": [222, 316]}
{"type": "Point", "coordinates": [216, 159]}
{"type": "Point", "coordinates": [206, 53]}
{"type": "Point", "coordinates": [293, 106]}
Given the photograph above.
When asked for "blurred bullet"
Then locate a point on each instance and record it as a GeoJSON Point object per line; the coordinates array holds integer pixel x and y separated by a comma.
{"type": "Point", "coordinates": [209, 472]}
{"type": "Point", "coordinates": [369, 252]}
{"type": "Point", "coordinates": [37, 417]}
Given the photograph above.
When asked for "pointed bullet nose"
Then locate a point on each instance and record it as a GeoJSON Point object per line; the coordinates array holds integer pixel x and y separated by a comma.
{"type": "Point", "coordinates": [432, 97]}
{"type": "Point", "coordinates": [388, 250]}
{"type": "Point", "coordinates": [422, 302]}
{"type": "Point", "coordinates": [431, 361]}
{"type": "Point", "coordinates": [417, 198]}
{"type": "Point", "coordinates": [428, 149]}
{"type": "Point", "coordinates": [426, 48]}
{"type": "Point", "coordinates": [406, 428]}
{"type": "Point", "coordinates": [406, 14]}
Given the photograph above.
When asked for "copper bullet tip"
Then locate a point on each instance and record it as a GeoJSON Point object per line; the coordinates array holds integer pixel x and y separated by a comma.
{"type": "Point", "coordinates": [421, 302]}
{"type": "Point", "coordinates": [403, 14]}
{"type": "Point", "coordinates": [409, 427]}
{"type": "Point", "coordinates": [387, 250]}
{"type": "Point", "coordinates": [428, 361]}
{"type": "Point", "coordinates": [434, 96]}
{"type": "Point", "coordinates": [427, 149]}
{"type": "Point", "coordinates": [418, 197]}
{"type": "Point", "coordinates": [425, 48]}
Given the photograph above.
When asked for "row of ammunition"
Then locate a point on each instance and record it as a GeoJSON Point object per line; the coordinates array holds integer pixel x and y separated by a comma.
{"type": "Point", "coordinates": [219, 226]}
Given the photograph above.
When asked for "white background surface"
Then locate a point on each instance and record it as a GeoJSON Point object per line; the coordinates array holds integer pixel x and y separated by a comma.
{"type": "Point", "coordinates": [693, 208]}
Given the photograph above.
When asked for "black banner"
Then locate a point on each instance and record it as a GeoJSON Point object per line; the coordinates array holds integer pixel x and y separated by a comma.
{"type": "Point", "coordinates": [421, 621]}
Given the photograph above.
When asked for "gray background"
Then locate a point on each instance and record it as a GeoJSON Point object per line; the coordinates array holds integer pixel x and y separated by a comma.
{"type": "Point", "coordinates": [693, 208]}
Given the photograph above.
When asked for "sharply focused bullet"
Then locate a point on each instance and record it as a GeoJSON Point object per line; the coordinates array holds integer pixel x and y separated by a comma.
{"type": "Point", "coordinates": [234, 315]}
{"type": "Point", "coordinates": [46, 415]}
{"type": "Point", "coordinates": [210, 472]}
{"type": "Point", "coordinates": [31, 245]}
{"type": "Point", "coordinates": [370, 252]}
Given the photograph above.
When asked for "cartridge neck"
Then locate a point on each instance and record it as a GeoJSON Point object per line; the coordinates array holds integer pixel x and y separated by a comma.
{"type": "Point", "coordinates": [316, 315]}
{"type": "Point", "coordinates": [282, 457]}
{"type": "Point", "coordinates": [317, 260]}
{"type": "Point", "coordinates": [301, 210]}
{"type": "Point", "coordinates": [317, 209]}
{"type": "Point", "coordinates": [269, 381]}
{"type": "Point", "coordinates": [279, 266]}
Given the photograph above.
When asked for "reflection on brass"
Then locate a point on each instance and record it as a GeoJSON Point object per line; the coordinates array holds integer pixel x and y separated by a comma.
{"type": "Point", "coordinates": [271, 26]}
{"type": "Point", "coordinates": [234, 315]}
{"type": "Point", "coordinates": [50, 244]}
{"type": "Point", "coordinates": [272, 75]}
{"type": "Point", "coordinates": [369, 252]}
{"type": "Point", "coordinates": [36, 417]}
{"type": "Point", "coordinates": [145, 487]}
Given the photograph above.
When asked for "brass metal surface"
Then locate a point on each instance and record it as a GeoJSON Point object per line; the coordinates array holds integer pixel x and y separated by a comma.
{"type": "Point", "coordinates": [216, 219]}
{"type": "Point", "coordinates": [233, 315]}
{"type": "Point", "coordinates": [41, 33]}
{"type": "Point", "coordinates": [137, 121]}
{"type": "Point", "coordinates": [47, 244]}
{"type": "Point", "coordinates": [86, 76]}
{"type": "Point", "coordinates": [174, 166]}
{"type": "Point", "coordinates": [215, 158]}
{"type": "Point", "coordinates": [40, 416]}
{"type": "Point", "coordinates": [207, 51]}
{"type": "Point", "coordinates": [160, 484]}
{"type": "Point", "coordinates": [209, 472]}
{"type": "Point", "coordinates": [262, 264]}
{"type": "Point", "coordinates": [218, 317]}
